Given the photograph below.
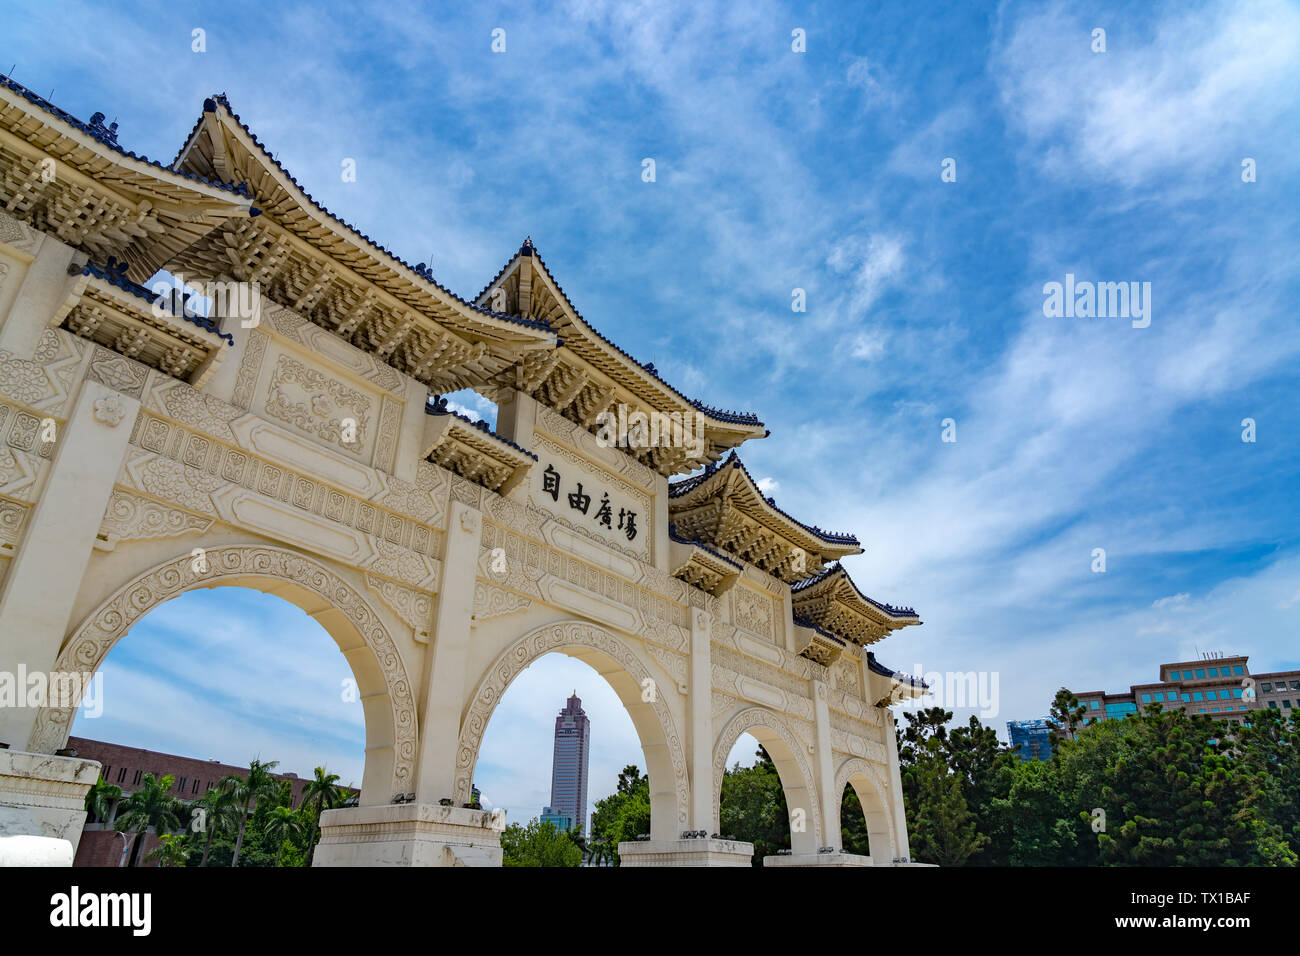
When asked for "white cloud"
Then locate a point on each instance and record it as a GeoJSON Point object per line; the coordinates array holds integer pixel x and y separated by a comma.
{"type": "Point", "coordinates": [1191, 96]}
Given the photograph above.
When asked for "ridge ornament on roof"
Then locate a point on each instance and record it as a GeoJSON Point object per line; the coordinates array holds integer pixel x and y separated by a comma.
{"type": "Point", "coordinates": [592, 377]}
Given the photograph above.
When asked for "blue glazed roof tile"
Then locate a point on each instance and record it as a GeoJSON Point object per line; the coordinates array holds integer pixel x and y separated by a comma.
{"type": "Point", "coordinates": [114, 273]}
{"type": "Point", "coordinates": [108, 136]}
{"type": "Point", "coordinates": [878, 668]}
{"type": "Point", "coordinates": [437, 405]}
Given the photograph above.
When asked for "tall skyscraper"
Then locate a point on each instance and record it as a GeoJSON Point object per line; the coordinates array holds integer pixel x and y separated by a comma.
{"type": "Point", "coordinates": [569, 768]}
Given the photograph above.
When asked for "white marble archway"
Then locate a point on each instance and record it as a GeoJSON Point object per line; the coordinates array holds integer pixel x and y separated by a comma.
{"type": "Point", "coordinates": [346, 615]}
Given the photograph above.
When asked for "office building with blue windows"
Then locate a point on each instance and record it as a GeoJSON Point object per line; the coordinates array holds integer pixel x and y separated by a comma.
{"type": "Point", "coordinates": [1032, 739]}
{"type": "Point", "coordinates": [1218, 686]}
{"type": "Point", "coordinates": [568, 809]}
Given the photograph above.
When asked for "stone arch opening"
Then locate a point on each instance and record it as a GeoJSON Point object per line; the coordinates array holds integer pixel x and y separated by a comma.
{"type": "Point", "coordinates": [790, 756]}
{"type": "Point", "coordinates": [355, 626]}
{"type": "Point", "coordinates": [871, 793]}
{"type": "Point", "coordinates": [625, 673]}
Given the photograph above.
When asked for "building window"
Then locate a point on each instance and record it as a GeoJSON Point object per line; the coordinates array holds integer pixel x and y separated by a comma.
{"type": "Point", "coordinates": [1213, 672]}
{"type": "Point", "coordinates": [1286, 704]}
{"type": "Point", "coordinates": [1200, 672]}
{"type": "Point", "coordinates": [194, 787]}
{"type": "Point", "coordinates": [1266, 687]}
{"type": "Point", "coordinates": [1238, 670]}
{"type": "Point", "coordinates": [1273, 704]}
{"type": "Point", "coordinates": [1295, 685]}
{"type": "Point", "coordinates": [1092, 704]}
{"type": "Point", "coordinates": [1173, 675]}
{"type": "Point", "coordinates": [136, 781]}
{"type": "Point", "coordinates": [1198, 696]}
{"type": "Point", "coordinates": [121, 774]}
{"type": "Point", "coordinates": [180, 786]}
{"type": "Point", "coordinates": [1146, 698]}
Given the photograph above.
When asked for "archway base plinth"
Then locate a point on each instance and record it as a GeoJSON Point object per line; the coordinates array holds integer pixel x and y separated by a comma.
{"type": "Point", "coordinates": [42, 795]}
{"type": "Point", "coordinates": [818, 859]}
{"type": "Point", "coordinates": [413, 834]}
{"type": "Point", "coordinates": [685, 853]}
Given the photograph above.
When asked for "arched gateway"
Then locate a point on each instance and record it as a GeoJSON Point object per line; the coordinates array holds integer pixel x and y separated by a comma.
{"type": "Point", "coordinates": [291, 439]}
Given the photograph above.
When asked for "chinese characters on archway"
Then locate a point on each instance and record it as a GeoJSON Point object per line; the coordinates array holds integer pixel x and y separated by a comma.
{"type": "Point", "coordinates": [579, 500]}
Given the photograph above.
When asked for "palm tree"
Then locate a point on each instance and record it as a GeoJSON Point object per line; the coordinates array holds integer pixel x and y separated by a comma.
{"type": "Point", "coordinates": [245, 791]}
{"type": "Point", "coordinates": [324, 793]}
{"type": "Point", "coordinates": [173, 849]}
{"type": "Point", "coordinates": [219, 810]}
{"type": "Point", "coordinates": [150, 806]}
{"type": "Point", "coordinates": [283, 824]}
{"type": "Point", "coordinates": [100, 799]}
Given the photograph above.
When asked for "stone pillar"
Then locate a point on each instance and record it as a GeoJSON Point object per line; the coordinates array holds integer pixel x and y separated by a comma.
{"type": "Point", "coordinates": [45, 287]}
{"type": "Point", "coordinates": [700, 705]}
{"type": "Point", "coordinates": [410, 439]}
{"type": "Point", "coordinates": [42, 807]}
{"type": "Point", "coordinates": [425, 831]}
{"type": "Point", "coordinates": [444, 678]}
{"type": "Point", "coordinates": [824, 772]}
{"type": "Point", "coordinates": [897, 811]}
{"type": "Point", "coordinates": [516, 416]}
{"type": "Point", "coordinates": [824, 768]}
{"type": "Point", "coordinates": [46, 572]}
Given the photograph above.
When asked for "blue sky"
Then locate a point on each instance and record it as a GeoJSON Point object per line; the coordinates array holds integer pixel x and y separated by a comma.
{"type": "Point", "coordinates": [820, 170]}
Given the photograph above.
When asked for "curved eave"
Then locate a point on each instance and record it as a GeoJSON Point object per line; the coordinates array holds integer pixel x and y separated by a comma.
{"type": "Point", "coordinates": [169, 205]}
{"type": "Point", "coordinates": [395, 275]}
{"type": "Point", "coordinates": [837, 579]}
{"type": "Point", "coordinates": [585, 341]}
{"type": "Point", "coordinates": [732, 476]}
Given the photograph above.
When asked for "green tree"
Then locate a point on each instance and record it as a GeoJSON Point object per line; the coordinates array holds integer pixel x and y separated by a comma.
{"type": "Point", "coordinates": [322, 793]}
{"type": "Point", "coordinates": [1172, 792]}
{"type": "Point", "coordinates": [986, 769]}
{"type": "Point", "coordinates": [753, 807]}
{"type": "Point", "coordinates": [943, 828]}
{"type": "Point", "coordinates": [173, 849]}
{"type": "Point", "coordinates": [1065, 717]}
{"type": "Point", "coordinates": [219, 816]}
{"type": "Point", "coordinates": [283, 824]}
{"type": "Point", "coordinates": [150, 806]}
{"type": "Point", "coordinates": [100, 799]}
{"type": "Point", "coordinates": [1268, 749]}
{"type": "Point", "coordinates": [623, 815]}
{"type": "Point", "coordinates": [538, 844]}
{"type": "Point", "coordinates": [259, 784]}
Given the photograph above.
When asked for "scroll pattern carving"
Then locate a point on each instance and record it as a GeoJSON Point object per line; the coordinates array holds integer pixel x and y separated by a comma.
{"type": "Point", "coordinates": [249, 369]}
{"type": "Point", "coordinates": [753, 611]}
{"type": "Point", "coordinates": [292, 326]}
{"type": "Point", "coordinates": [317, 404]}
{"type": "Point", "coordinates": [129, 517]}
{"type": "Point", "coordinates": [88, 645]}
{"type": "Point", "coordinates": [415, 608]}
{"type": "Point", "coordinates": [558, 637]}
{"type": "Point", "coordinates": [491, 601]}
{"type": "Point", "coordinates": [13, 517]}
